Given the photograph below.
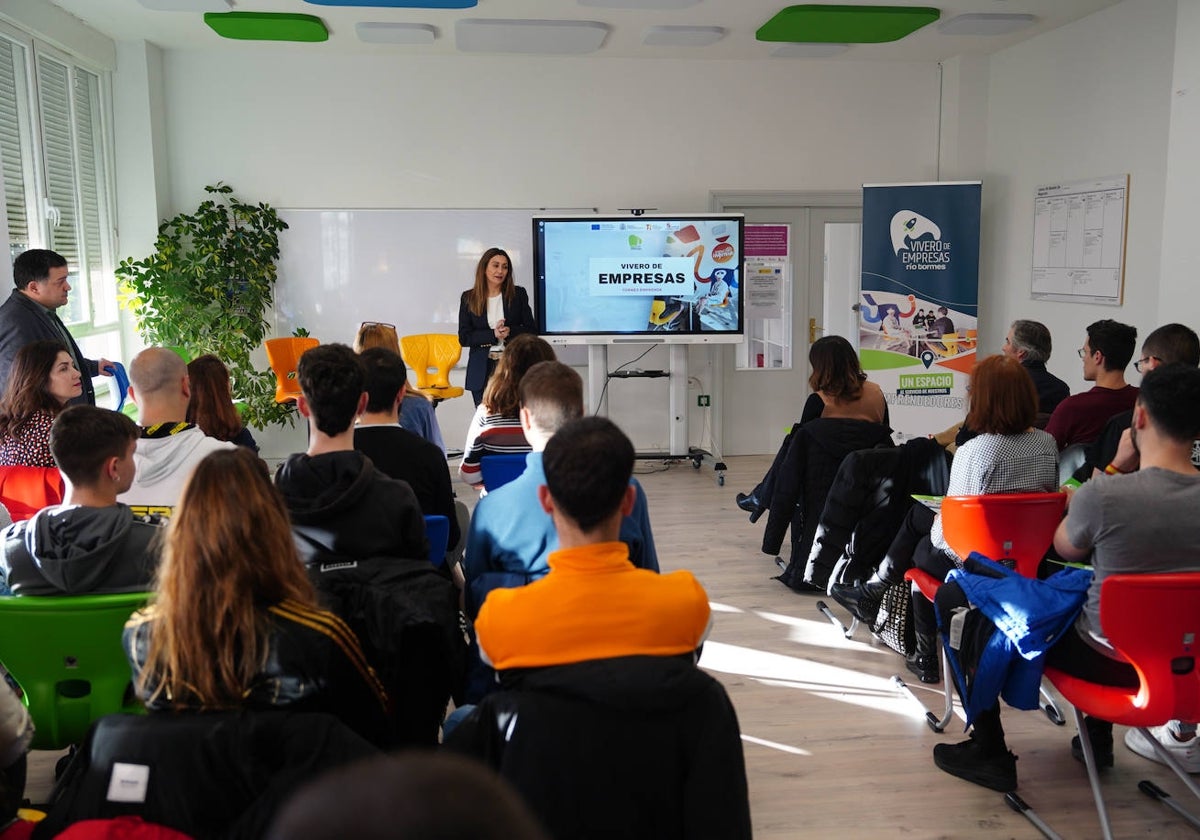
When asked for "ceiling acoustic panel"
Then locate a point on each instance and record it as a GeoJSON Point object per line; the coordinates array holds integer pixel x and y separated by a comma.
{"type": "Point", "coordinates": [642, 5]}
{"type": "Point", "coordinates": [808, 50]}
{"type": "Point", "coordinates": [530, 37]}
{"type": "Point", "coordinates": [682, 36]}
{"type": "Point", "coordinates": [395, 33]}
{"type": "Point", "coordinates": [267, 26]}
{"type": "Point", "coordinates": [188, 5]}
{"type": "Point", "coordinates": [846, 24]}
{"type": "Point", "coordinates": [400, 4]}
{"type": "Point", "coordinates": [986, 24]}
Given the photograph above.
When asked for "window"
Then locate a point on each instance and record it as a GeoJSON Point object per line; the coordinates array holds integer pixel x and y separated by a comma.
{"type": "Point", "coordinates": [55, 164]}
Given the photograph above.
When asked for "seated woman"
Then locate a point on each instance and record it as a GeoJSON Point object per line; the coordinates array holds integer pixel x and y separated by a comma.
{"type": "Point", "coordinates": [211, 406]}
{"type": "Point", "coordinates": [235, 622]}
{"type": "Point", "coordinates": [43, 380]}
{"type": "Point", "coordinates": [416, 412]}
{"type": "Point", "coordinates": [16, 733]}
{"type": "Point", "coordinates": [496, 427]}
{"type": "Point", "coordinates": [90, 543]}
{"type": "Point", "coordinates": [1006, 455]}
{"type": "Point", "coordinates": [839, 388]}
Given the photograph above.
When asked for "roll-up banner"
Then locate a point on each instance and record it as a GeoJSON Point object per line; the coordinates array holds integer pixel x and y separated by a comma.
{"type": "Point", "coordinates": [918, 317]}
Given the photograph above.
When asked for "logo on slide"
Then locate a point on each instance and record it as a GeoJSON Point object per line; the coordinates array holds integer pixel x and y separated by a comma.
{"type": "Point", "coordinates": [907, 225]}
{"type": "Point", "coordinates": [723, 253]}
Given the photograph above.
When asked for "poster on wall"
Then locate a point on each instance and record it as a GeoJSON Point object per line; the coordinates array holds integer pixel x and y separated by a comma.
{"type": "Point", "coordinates": [918, 308]}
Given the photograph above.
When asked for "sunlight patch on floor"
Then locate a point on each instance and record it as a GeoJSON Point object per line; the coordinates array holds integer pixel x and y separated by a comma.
{"type": "Point", "coordinates": [775, 745]}
{"type": "Point", "coordinates": [821, 633]}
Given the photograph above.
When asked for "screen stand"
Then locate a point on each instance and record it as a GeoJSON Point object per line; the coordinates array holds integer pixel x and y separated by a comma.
{"type": "Point", "coordinates": [598, 374]}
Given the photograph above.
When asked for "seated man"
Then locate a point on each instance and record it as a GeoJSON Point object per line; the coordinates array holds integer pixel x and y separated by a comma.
{"type": "Point", "coordinates": [1029, 343]}
{"type": "Point", "coordinates": [1105, 353]}
{"type": "Point", "coordinates": [942, 325]}
{"type": "Point", "coordinates": [90, 543]}
{"type": "Point", "coordinates": [170, 447]}
{"type": "Point", "coordinates": [511, 536]}
{"type": "Point", "coordinates": [598, 662]}
{"type": "Point", "coordinates": [1112, 521]}
{"type": "Point", "coordinates": [395, 451]}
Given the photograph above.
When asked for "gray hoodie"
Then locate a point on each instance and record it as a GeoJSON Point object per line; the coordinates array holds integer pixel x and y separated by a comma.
{"type": "Point", "coordinates": [71, 550]}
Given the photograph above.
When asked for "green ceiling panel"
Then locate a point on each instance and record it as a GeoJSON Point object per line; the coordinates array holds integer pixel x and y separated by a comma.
{"type": "Point", "coordinates": [267, 26]}
{"type": "Point", "coordinates": [846, 24]}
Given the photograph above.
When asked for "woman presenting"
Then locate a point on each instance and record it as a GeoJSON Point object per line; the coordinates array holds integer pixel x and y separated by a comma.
{"type": "Point", "coordinates": [492, 311]}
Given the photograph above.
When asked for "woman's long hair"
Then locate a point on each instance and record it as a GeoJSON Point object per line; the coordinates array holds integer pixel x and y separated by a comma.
{"type": "Point", "coordinates": [501, 396]}
{"type": "Point", "coordinates": [28, 392]}
{"type": "Point", "coordinates": [228, 556]}
{"type": "Point", "coordinates": [477, 300]}
{"type": "Point", "coordinates": [373, 334]}
{"type": "Point", "coordinates": [211, 406]}
{"type": "Point", "coordinates": [836, 371]}
{"type": "Point", "coordinates": [1003, 399]}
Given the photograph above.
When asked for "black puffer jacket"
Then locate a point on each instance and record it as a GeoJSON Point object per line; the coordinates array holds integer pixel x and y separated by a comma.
{"type": "Point", "coordinates": [803, 482]}
{"type": "Point", "coordinates": [866, 504]}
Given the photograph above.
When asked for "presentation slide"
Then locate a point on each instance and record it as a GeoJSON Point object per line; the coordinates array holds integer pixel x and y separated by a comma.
{"type": "Point", "coordinates": [639, 275]}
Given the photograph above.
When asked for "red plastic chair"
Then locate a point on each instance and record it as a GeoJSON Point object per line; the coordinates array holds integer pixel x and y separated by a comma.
{"type": "Point", "coordinates": [1001, 526]}
{"type": "Point", "coordinates": [26, 490]}
{"type": "Point", "coordinates": [1162, 650]}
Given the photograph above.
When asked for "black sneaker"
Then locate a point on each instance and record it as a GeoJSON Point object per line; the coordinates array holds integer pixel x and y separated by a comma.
{"type": "Point", "coordinates": [925, 665]}
{"type": "Point", "coordinates": [967, 761]}
{"type": "Point", "coordinates": [1102, 747]}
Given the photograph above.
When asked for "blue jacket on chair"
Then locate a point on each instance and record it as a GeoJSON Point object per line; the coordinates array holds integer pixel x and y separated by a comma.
{"type": "Point", "coordinates": [1030, 615]}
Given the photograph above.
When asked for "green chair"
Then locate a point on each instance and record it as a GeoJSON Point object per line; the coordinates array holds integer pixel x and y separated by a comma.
{"type": "Point", "coordinates": [66, 654]}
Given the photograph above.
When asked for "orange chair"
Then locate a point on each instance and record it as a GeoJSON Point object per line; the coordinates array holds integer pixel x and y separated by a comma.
{"type": "Point", "coordinates": [283, 354]}
{"type": "Point", "coordinates": [1162, 651]}
{"type": "Point", "coordinates": [1001, 526]}
{"type": "Point", "coordinates": [431, 357]}
{"type": "Point", "coordinates": [970, 340]}
{"type": "Point", "coordinates": [26, 490]}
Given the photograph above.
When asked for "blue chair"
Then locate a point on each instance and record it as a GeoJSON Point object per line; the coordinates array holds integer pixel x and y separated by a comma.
{"type": "Point", "coordinates": [437, 531]}
{"type": "Point", "coordinates": [66, 654]}
{"type": "Point", "coordinates": [498, 470]}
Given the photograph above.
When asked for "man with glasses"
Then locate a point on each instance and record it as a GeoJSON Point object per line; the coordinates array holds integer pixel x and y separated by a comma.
{"type": "Point", "coordinates": [1105, 353]}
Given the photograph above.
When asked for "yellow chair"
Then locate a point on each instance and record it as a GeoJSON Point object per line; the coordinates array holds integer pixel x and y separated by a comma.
{"type": "Point", "coordinates": [972, 339]}
{"type": "Point", "coordinates": [946, 346]}
{"type": "Point", "coordinates": [431, 357]}
{"type": "Point", "coordinates": [283, 354]}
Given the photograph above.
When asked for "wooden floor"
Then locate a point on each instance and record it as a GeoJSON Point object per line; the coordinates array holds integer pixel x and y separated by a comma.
{"type": "Point", "coordinates": [832, 749]}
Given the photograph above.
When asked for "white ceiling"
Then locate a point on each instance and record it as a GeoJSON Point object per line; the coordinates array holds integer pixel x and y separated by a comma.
{"type": "Point", "coordinates": [129, 20]}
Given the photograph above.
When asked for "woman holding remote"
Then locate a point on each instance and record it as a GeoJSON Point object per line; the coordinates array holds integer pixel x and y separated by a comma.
{"type": "Point", "coordinates": [492, 311]}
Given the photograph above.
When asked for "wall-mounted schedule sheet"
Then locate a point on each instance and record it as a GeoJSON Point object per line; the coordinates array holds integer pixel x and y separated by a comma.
{"type": "Point", "coordinates": [1079, 240]}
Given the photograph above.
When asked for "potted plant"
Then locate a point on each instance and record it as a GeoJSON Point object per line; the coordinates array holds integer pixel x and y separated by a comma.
{"type": "Point", "coordinates": [206, 289]}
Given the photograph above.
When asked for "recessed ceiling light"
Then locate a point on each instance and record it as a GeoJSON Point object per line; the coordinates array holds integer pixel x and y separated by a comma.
{"type": "Point", "coordinates": [682, 36]}
{"type": "Point", "coordinates": [638, 4]}
{"type": "Point", "coordinates": [986, 24]}
{"type": "Point", "coordinates": [188, 5]}
{"type": "Point", "coordinates": [395, 33]}
{"type": "Point", "coordinates": [808, 50]}
{"type": "Point", "coordinates": [539, 37]}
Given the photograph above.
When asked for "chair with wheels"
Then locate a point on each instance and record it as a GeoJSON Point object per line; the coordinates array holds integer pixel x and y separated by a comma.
{"type": "Point", "coordinates": [66, 654]}
{"type": "Point", "coordinates": [498, 470]}
{"type": "Point", "coordinates": [26, 490]}
{"type": "Point", "coordinates": [283, 354]}
{"type": "Point", "coordinates": [1162, 651]}
{"type": "Point", "coordinates": [437, 531]}
{"type": "Point", "coordinates": [1018, 527]}
{"type": "Point", "coordinates": [431, 356]}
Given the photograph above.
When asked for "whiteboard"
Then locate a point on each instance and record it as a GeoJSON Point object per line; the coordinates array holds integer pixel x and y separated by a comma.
{"type": "Point", "coordinates": [338, 268]}
{"type": "Point", "coordinates": [1079, 240]}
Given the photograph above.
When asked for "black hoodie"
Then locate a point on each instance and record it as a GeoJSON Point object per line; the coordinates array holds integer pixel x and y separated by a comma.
{"type": "Point", "coordinates": [343, 509]}
{"type": "Point", "coordinates": [75, 550]}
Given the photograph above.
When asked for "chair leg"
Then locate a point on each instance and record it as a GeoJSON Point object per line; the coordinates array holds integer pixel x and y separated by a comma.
{"type": "Point", "coordinates": [1171, 762]}
{"type": "Point", "coordinates": [1155, 792]}
{"type": "Point", "coordinates": [935, 723]}
{"type": "Point", "coordinates": [1050, 707]}
{"type": "Point", "coordinates": [1089, 761]}
{"type": "Point", "coordinates": [1018, 804]}
{"type": "Point", "coordinates": [848, 632]}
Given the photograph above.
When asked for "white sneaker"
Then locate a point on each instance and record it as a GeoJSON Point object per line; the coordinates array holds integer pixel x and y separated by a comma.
{"type": "Point", "coordinates": [1187, 753]}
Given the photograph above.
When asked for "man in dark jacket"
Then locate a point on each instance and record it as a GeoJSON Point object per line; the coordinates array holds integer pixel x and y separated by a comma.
{"type": "Point", "coordinates": [1029, 343]}
{"type": "Point", "coordinates": [90, 543]}
{"type": "Point", "coordinates": [29, 315]}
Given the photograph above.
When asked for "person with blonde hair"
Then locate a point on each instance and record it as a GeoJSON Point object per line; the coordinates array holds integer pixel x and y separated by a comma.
{"type": "Point", "coordinates": [211, 405]}
{"type": "Point", "coordinates": [416, 412]}
{"type": "Point", "coordinates": [492, 311]}
{"type": "Point", "coordinates": [496, 427]}
{"type": "Point", "coordinates": [235, 622]}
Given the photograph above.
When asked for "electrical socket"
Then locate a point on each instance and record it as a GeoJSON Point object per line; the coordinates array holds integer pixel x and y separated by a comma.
{"type": "Point", "coordinates": [704, 400]}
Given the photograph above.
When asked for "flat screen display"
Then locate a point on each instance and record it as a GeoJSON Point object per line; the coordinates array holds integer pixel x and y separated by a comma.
{"type": "Point", "coordinates": [666, 278]}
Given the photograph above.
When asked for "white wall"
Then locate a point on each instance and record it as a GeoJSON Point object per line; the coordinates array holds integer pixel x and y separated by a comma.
{"type": "Point", "coordinates": [297, 129]}
{"type": "Point", "coordinates": [1088, 99]}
